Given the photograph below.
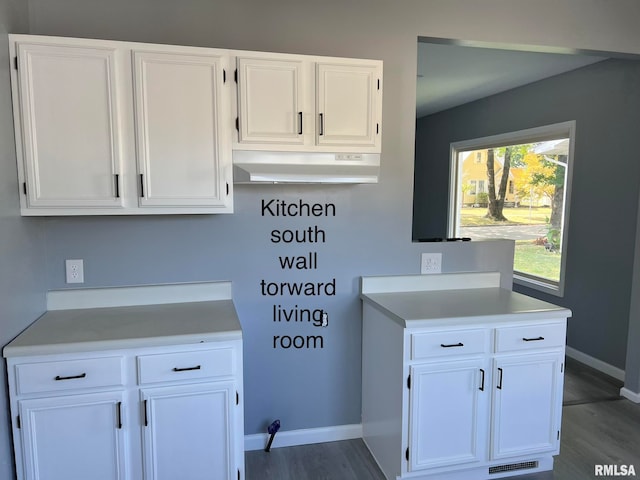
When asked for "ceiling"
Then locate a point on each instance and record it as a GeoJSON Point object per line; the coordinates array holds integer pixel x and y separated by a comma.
{"type": "Point", "coordinates": [451, 75]}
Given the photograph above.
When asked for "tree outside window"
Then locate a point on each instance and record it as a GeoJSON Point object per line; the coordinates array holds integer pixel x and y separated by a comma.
{"type": "Point", "coordinates": [524, 183]}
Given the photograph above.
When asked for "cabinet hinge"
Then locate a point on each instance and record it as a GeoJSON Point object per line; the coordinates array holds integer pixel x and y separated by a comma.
{"type": "Point", "coordinates": [237, 124]}
{"type": "Point", "coordinates": [237, 398]}
{"type": "Point", "coordinates": [24, 187]}
{"type": "Point", "coordinates": [18, 422]}
{"type": "Point", "coordinates": [406, 454]}
{"type": "Point", "coordinates": [15, 62]}
{"type": "Point", "coordinates": [224, 76]}
{"type": "Point", "coordinates": [235, 75]}
{"type": "Point", "coordinates": [409, 381]}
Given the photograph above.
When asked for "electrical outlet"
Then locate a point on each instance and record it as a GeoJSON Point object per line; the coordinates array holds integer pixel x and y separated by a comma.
{"type": "Point", "coordinates": [431, 263]}
{"type": "Point", "coordinates": [75, 271]}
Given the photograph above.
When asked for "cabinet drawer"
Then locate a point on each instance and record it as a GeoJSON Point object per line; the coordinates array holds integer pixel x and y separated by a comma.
{"type": "Point", "coordinates": [169, 367]}
{"type": "Point", "coordinates": [529, 337]}
{"type": "Point", "coordinates": [454, 342]}
{"type": "Point", "coordinates": [69, 375]}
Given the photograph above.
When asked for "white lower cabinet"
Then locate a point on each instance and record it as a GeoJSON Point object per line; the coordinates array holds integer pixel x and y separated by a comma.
{"type": "Point", "coordinates": [188, 431]}
{"type": "Point", "coordinates": [476, 402]}
{"type": "Point", "coordinates": [526, 405]}
{"type": "Point", "coordinates": [158, 413]}
{"type": "Point", "coordinates": [73, 437]}
{"type": "Point", "coordinates": [480, 408]}
{"type": "Point", "coordinates": [447, 413]}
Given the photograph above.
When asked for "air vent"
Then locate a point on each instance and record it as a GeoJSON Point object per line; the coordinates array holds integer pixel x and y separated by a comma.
{"type": "Point", "coordinates": [511, 467]}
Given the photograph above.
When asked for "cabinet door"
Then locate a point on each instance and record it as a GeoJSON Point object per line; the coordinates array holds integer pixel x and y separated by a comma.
{"type": "Point", "coordinates": [183, 154]}
{"type": "Point", "coordinates": [527, 405]}
{"type": "Point", "coordinates": [73, 437]}
{"type": "Point", "coordinates": [348, 105]}
{"type": "Point", "coordinates": [188, 432]}
{"type": "Point", "coordinates": [448, 405]}
{"type": "Point", "coordinates": [271, 101]}
{"type": "Point", "coordinates": [69, 122]}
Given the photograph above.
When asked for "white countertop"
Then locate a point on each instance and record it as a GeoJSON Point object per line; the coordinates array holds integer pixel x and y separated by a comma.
{"type": "Point", "coordinates": [465, 300]}
{"type": "Point", "coordinates": [114, 327]}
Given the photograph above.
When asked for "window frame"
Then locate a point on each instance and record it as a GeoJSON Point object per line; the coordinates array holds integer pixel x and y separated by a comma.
{"type": "Point", "coordinates": [530, 135]}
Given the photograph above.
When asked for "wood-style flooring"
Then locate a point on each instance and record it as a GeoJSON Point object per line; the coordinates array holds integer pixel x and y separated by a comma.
{"type": "Point", "coordinates": [598, 427]}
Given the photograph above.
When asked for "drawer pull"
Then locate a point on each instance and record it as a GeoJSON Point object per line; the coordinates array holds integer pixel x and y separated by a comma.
{"type": "Point", "coordinates": [176, 369]}
{"type": "Point", "coordinates": [119, 412]}
{"type": "Point", "coordinates": [532, 339]}
{"type": "Point", "coordinates": [482, 384]}
{"type": "Point", "coordinates": [73, 377]}
{"type": "Point", "coordinates": [499, 386]}
{"type": "Point", "coordinates": [452, 345]}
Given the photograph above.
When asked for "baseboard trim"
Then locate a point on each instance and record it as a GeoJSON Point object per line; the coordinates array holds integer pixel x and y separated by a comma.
{"type": "Point", "coordinates": [306, 436]}
{"type": "Point", "coordinates": [593, 362]}
{"type": "Point", "coordinates": [629, 395]}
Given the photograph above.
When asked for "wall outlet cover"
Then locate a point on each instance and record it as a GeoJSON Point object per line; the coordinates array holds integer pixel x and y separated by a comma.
{"type": "Point", "coordinates": [74, 270]}
{"type": "Point", "coordinates": [431, 263]}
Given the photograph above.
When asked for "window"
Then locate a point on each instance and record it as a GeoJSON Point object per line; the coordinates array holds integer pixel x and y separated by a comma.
{"type": "Point", "coordinates": [525, 197]}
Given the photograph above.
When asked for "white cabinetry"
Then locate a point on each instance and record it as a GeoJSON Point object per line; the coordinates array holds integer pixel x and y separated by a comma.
{"type": "Point", "coordinates": [180, 113]}
{"type": "Point", "coordinates": [348, 103]}
{"type": "Point", "coordinates": [303, 103]}
{"type": "Point", "coordinates": [68, 100]}
{"type": "Point", "coordinates": [189, 427]}
{"type": "Point", "coordinates": [187, 416]}
{"type": "Point", "coordinates": [77, 103]}
{"type": "Point", "coordinates": [272, 104]}
{"type": "Point", "coordinates": [74, 436]}
{"type": "Point", "coordinates": [446, 418]}
{"type": "Point", "coordinates": [174, 417]}
{"type": "Point", "coordinates": [129, 392]}
{"type": "Point", "coordinates": [480, 393]}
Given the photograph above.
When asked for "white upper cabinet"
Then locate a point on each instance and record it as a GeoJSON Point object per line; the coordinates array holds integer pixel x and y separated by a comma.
{"type": "Point", "coordinates": [347, 105]}
{"type": "Point", "coordinates": [180, 114]}
{"type": "Point", "coordinates": [304, 103]}
{"type": "Point", "coordinates": [69, 118]}
{"type": "Point", "coordinates": [110, 128]}
{"type": "Point", "coordinates": [119, 128]}
{"type": "Point", "coordinates": [271, 101]}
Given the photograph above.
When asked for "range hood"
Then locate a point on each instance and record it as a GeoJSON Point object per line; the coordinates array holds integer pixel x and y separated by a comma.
{"type": "Point", "coordinates": [304, 167]}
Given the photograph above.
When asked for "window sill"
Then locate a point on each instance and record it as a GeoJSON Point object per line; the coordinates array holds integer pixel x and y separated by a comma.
{"type": "Point", "coordinates": [556, 289]}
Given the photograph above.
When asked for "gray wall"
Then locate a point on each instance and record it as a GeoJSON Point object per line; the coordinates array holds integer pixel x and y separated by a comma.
{"type": "Point", "coordinates": [604, 100]}
{"type": "Point", "coordinates": [372, 232]}
{"type": "Point", "coordinates": [632, 372]}
{"type": "Point", "coordinates": [22, 262]}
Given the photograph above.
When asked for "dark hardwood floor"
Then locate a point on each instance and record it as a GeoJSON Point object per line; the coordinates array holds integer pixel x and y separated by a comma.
{"type": "Point", "coordinates": [598, 427]}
